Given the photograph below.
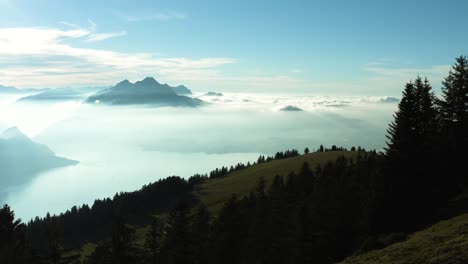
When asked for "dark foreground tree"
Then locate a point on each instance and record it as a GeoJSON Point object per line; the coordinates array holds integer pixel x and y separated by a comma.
{"type": "Point", "coordinates": [154, 240]}
{"type": "Point", "coordinates": [453, 110]}
{"type": "Point", "coordinates": [178, 244]}
{"type": "Point", "coordinates": [13, 246]}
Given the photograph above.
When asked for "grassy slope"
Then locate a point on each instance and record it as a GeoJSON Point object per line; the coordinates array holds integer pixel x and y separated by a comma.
{"type": "Point", "coordinates": [443, 243]}
{"type": "Point", "coordinates": [215, 192]}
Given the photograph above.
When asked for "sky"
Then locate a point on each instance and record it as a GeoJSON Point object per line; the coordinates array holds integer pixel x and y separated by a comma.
{"type": "Point", "coordinates": [369, 47]}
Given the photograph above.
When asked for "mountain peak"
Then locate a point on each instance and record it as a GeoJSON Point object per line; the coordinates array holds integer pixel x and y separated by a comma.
{"type": "Point", "coordinates": [149, 80]}
{"type": "Point", "coordinates": [150, 85]}
{"type": "Point", "coordinates": [124, 82]}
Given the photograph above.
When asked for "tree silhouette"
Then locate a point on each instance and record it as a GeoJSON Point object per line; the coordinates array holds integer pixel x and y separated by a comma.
{"type": "Point", "coordinates": [154, 240]}
{"type": "Point", "coordinates": [12, 241]}
{"type": "Point", "coordinates": [178, 246]}
{"type": "Point", "coordinates": [453, 110]}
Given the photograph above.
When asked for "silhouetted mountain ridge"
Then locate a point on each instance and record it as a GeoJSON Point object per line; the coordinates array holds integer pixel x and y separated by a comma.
{"type": "Point", "coordinates": [147, 91]}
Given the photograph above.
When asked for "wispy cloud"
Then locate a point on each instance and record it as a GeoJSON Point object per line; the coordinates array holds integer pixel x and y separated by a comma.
{"type": "Point", "coordinates": [103, 36]}
{"type": "Point", "coordinates": [93, 35]}
{"type": "Point", "coordinates": [38, 57]}
{"type": "Point", "coordinates": [155, 16]}
{"type": "Point", "coordinates": [392, 77]}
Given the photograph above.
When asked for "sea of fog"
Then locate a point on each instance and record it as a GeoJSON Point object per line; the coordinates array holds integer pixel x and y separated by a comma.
{"type": "Point", "coordinates": [123, 148]}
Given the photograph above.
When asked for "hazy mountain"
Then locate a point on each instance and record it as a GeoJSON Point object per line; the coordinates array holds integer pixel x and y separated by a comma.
{"type": "Point", "coordinates": [291, 108]}
{"type": "Point", "coordinates": [62, 94]}
{"type": "Point", "coordinates": [21, 159]}
{"type": "Point", "coordinates": [213, 94]}
{"type": "Point", "coordinates": [390, 100]}
{"type": "Point", "coordinates": [53, 95]}
{"type": "Point", "coordinates": [14, 90]}
{"type": "Point", "coordinates": [8, 89]}
{"type": "Point", "coordinates": [147, 91]}
{"type": "Point", "coordinates": [181, 89]}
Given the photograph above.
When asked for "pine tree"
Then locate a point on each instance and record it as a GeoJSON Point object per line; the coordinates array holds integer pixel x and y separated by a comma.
{"type": "Point", "coordinates": [54, 250]}
{"type": "Point", "coordinates": [411, 184]}
{"type": "Point", "coordinates": [154, 239]}
{"type": "Point", "coordinates": [306, 178]}
{"type": "Point", "coordinates": [12, 239]}
{"type": "Point", "coordinates": [401, 131]}
{"type": "Point", "coordinates": [454, 103]}
{"type": "Point", "coordinates": [401, 148]}
{"type": "Point", "coordinates": [201, 229]}
{"type": "Point", "coordinates": [321, 149]}
{"type": "Point", "coordinates": [228, 233]}
{"type": "Point", "coordinates": [453, 108]}
{"type": "Point", "coordinates": [178, 245]}
{"type": "Point", "coordinates": [427, 125]}
{"type": "Point", "coordinates": [259, 235]}
{"type": "Point", "coordinates": [261, 188]}
{"type": "Point", "coordinates": [281, 243]}
{"type": "Point", "coordinates": [123, 251]}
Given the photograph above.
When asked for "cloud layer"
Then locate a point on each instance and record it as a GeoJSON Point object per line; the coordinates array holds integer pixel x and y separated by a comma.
{"type": "Point", "coordinates": [40, 57]}
{"type": "Point", "coordinates": [61, 56]}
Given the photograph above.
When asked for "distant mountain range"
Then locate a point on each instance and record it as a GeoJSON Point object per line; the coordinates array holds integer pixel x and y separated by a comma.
{"type": "Point", "coordinates": [62, 94]}
{"type": "Point", "coordinates": [21, 159]}
{"type": "Point", "coordinates": [213, 94]}
{"type": "Point", "coordinates": [8, 89]}
{"type": "Point", "coordinates": [14, 90]}
{"type": "Point", "coordinates": [147, 91]}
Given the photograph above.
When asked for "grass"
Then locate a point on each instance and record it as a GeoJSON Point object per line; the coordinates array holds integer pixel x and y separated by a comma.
{"type": "Point", "coordinates": [86, 250]}
{"type": "Point", "coordinates": [82, 253]}
{"type": "Point", "coordinates": [215, 192]}
{"type": "Point", "coordinates": [443, 243]}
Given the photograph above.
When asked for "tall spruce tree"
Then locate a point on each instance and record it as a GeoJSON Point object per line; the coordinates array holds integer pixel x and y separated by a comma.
{"type": "Point", "coordinates": [402, 129]}
{"type": "Point", "coordinates": [178, 244]}
{"type": "Point", "coordinates": [154, 239]}
{"type": "Point", "coordinates": [453, 108]}
{"type": "Point", "coordinates": [12, 241]}
{"type": "Point", "coordinates": [426, 118]}
{"type": "Point", "coordinates": [229, 233]}
{"type": "Point", "coordinates": [201, 228]}
{"type": "Point", "coordinates": [411, 184]}
{"type": "Point", "coordinates": [123, 248]}
{"type": "Point", "coordinates": [454, 103]}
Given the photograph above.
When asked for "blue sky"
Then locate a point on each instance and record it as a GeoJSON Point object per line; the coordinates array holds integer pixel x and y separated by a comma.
{"type": "Point", "coordinates": [326, 47]}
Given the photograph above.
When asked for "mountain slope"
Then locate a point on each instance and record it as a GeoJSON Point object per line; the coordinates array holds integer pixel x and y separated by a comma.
{"type": "Point", "coordinates": [181, 89]}
{"type": "Point", "coordinates": [442, 243]}
{"type": "Point", "coordinates": [9, 89]}
{"type": "Point", "coordinates": [215, 192]}
{"type": "Point", "coordinates": [61, 94]}
{"type": "Point", "coordinates": [17, 150]}
{"type": "Point", "coordinates": [53, 95]}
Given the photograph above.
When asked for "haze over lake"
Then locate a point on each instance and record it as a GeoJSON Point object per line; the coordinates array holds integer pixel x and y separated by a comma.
{"type": "Point", "coordinates": [121, 148]}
